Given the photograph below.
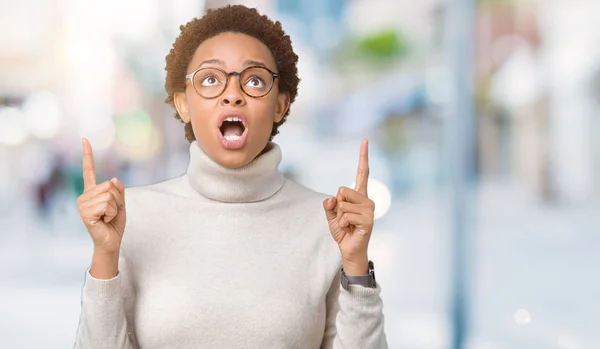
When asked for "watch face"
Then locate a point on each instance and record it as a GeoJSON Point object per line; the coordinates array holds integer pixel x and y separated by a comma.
{"type": "Point", "coordinates": [372, 272]}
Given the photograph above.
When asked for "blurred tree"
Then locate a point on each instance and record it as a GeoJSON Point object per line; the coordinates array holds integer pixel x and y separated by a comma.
{"type": "Point", "coordinates": [386, 46]}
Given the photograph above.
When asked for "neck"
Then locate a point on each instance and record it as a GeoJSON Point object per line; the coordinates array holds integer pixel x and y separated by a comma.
{"type": "Point", "coordinates": [256, 181]}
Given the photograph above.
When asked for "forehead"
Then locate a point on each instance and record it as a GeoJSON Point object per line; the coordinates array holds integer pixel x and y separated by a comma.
{"type": "Point", "coordinates": [233, 49]}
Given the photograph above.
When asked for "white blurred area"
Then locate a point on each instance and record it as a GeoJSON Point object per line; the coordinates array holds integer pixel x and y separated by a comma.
{"type": "Point", "coordinates": [369, 68]}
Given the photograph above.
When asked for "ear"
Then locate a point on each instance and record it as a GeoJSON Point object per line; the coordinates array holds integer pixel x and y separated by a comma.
{"type": "Point", "coordinates": [181, 104]}
{"type": "Point", "coordinates": [283, 104]}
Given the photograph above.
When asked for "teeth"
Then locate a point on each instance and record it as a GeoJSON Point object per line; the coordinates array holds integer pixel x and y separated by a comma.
{"type": "Point", "coordinates": [232, 119]}
{"type": "Point", "coordinates": [232, 138]}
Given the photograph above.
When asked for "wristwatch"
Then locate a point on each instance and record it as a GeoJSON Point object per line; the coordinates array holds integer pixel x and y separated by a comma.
{"type": "Point", "coordinates": [363, 280]}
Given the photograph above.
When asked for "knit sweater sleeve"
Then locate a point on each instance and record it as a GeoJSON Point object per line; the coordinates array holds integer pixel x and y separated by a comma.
{"type": "Point", "coordinates": [354, 318]}
{"type": "Point", "coordinates": [106, 319]}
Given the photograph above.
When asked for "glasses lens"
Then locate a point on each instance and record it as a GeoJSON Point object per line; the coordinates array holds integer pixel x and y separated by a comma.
{"type": "Point", "coordinates": [256, 81]}
{"type": "Point", "coordinates": [209, 82]}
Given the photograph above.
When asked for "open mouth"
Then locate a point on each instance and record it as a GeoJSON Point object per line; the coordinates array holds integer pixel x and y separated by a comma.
{"type": "Point", "coordinates": [232, 128]}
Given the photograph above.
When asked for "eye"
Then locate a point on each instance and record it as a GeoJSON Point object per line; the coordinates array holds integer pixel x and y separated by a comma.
{"type": "Point", "coordinates": [210, 80]}
{"type": "Point", "coordinates": [255, 82]}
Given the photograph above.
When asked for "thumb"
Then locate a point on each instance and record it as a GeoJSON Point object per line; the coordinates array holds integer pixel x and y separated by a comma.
{"type": "Point", "coordinates": [329, 205]}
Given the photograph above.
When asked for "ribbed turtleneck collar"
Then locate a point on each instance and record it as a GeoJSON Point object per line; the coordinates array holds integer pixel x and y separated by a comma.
{"type": "Point", "coordinates": [258, 180]}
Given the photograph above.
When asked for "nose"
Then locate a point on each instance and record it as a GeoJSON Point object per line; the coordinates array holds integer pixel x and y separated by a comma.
{"type": "Point", "coordinates": [233, 94]}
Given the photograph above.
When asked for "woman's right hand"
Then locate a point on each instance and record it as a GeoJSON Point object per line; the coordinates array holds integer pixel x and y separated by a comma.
{"type": "Point", "coordinates": [101, 207]}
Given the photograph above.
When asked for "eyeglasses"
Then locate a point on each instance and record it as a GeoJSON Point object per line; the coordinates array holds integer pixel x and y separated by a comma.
{"type": "Point", "coordinates": [255, 81]}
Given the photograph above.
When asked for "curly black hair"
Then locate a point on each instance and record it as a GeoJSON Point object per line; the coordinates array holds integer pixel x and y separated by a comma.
{"type": "Point", "coordinates": [236, 19]}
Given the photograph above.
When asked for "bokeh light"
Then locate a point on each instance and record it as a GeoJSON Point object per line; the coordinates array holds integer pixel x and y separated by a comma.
{"type": "Point", "coordinates": [522, 317]}
{"type": "Point", "coordinates": [567, 342]}
{"type": "Point", "coordinates": [14, 128]}
{"type": "Point", "coordinates": [102, 139]}
{"type": "Point", "coordinates": [43, 115]}
{"type": "Point", "coordinates": [137, 137]}
{"type": "Point", "coordinates": [381, 196]}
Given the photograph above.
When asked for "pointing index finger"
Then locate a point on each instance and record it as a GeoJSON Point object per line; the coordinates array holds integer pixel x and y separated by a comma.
{"type": "Point", "coordinates": [362, 174]}
{"type": "Point", "coordinates": [89, 171]}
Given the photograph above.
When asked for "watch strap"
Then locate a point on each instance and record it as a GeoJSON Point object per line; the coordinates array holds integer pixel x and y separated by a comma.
{"type": "Point", "coordinates": [363, 280]}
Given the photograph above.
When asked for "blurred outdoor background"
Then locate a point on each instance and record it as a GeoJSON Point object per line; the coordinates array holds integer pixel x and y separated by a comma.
{"type": "Point", "coordinates": [497, 206]}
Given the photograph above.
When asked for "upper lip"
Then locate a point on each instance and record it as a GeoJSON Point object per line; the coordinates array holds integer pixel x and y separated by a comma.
{"type": "Point", "coordinates": [233, 114]}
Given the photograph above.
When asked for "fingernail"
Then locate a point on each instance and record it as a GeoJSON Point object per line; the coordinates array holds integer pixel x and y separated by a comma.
{"type": "Point", "coordinates": [330, 201]}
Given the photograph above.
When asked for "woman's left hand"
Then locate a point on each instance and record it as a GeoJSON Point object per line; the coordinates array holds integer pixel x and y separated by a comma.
{"type": "Point", "coordinates": [350, 215]}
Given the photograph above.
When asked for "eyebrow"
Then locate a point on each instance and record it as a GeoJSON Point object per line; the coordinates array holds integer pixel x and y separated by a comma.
{"type": "Point", "coordinates": [250, 62]}
{"type": "Point", "coordinates": [220, 63]}
{"type": "Point", "coordinates": [212, 61]}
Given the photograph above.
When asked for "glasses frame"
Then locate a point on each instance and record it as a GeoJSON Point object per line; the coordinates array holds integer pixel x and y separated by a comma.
{"type": "Point", "coordinates": [191, 75]}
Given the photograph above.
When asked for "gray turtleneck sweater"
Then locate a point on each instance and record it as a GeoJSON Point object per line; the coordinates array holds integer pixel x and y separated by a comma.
{"type": "Point", "coordinates": [228, 258]}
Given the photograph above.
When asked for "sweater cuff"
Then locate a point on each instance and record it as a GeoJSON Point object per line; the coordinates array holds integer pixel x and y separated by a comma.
{"type": "Point", "coordinates": [361, 295]}
{"type": "Point", "coordinates": [100, 289]}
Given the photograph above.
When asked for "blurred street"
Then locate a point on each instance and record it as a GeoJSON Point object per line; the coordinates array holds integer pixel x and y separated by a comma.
{"type": "Point", "coordinates": [494, 100]}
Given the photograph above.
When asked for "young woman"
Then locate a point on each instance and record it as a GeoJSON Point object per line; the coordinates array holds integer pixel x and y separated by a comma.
{"type": "Point", "coordinates": [231, 254]}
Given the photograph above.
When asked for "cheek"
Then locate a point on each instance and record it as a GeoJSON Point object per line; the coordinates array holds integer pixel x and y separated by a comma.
{"type": "Point", "coordinates": [200, 110]}
{"type": "Point", "coordinates": [265, 112]}
{"type": "Point", "coordinates": [269, 110]}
